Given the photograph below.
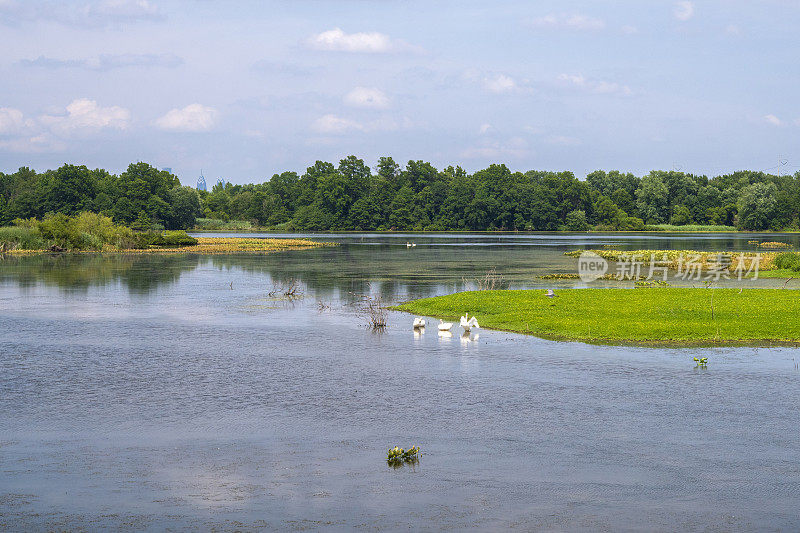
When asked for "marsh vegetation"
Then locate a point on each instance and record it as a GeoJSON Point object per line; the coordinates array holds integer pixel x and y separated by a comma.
{"type": "Point", "coordinates": [664, 316]}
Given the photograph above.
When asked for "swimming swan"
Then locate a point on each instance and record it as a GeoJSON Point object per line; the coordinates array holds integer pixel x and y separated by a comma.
{"type": "Point", "coordinates": [445, 326]}
{"type": "Point", "coordinates": [419, 323]}
{"type": "Point", "coordinates": [468, 323]}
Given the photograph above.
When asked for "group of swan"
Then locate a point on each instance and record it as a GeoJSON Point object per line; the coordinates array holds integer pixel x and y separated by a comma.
{"type": "Point", "coordinates": [466, 322]}
{"type": "Point", "coordinates": [410, 244]}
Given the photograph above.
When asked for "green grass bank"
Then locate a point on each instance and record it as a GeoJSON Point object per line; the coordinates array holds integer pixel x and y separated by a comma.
{"type": "Point", "coordinates": [652, 317]}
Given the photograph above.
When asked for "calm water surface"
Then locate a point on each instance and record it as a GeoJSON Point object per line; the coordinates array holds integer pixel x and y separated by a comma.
{"type": "Point", "coordinates": [151, 393]}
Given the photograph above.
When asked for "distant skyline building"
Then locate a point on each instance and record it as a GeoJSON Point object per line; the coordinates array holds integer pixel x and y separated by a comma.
{"type": "Point", "coordinates": [167, 169]}
{"type": "Point", "coordinates": [221, 181]}
{"type": "Point", "coordinates": [201, 182]}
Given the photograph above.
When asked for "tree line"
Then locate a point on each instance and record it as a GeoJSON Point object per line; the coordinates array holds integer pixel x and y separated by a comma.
{"type": "Point", "coordinates": [350, 196]}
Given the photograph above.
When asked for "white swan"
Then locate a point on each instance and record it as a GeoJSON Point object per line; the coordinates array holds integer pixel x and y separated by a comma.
{"type": "Point", "coordinates": [408, 244]}
{"type": "Point", "coordinates": [413, 245]}
{"type": "Point", "coordinates": [468, 323]}
{"type": "Point", "coordinates": [419, 323]}
{"type": "Point", "coordinates": [550, 293]}
{"type": "Point", "coordinates": [445, 326]}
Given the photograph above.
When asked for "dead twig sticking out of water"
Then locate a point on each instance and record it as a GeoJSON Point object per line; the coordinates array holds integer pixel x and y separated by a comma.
{"type": "Point", "coordinates": [290, 290]}
{"type": "Point", "coordinates": [490, 282]}
{"type": "Point", "coordinates": [376, 313]}
{"type": "Point", "coordinates": [787, 281]}
{"type": "Point", "coordinates": [372, 310]}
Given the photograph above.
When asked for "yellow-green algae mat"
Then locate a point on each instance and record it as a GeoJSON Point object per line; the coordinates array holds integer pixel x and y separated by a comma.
{"type": "Point", "coordinates": [653, 316]}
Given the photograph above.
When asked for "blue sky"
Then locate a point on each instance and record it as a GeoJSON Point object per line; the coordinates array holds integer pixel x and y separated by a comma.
{"type": "Point", "coordinates": [244, 89]}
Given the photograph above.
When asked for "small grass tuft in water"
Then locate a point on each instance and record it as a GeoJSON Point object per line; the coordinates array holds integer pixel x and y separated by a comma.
{"type": "Point", "coordinates": [398, 456]}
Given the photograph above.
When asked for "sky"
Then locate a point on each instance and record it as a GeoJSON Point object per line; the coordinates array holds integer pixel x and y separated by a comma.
{"type": "Point", "coordinates": [247, 89]}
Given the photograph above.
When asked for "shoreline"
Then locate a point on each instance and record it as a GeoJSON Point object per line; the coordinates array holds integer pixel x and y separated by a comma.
{"type": "Point", "coordinates": [205, 246]}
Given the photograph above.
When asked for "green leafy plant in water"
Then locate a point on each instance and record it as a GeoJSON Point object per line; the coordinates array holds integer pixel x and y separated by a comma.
{"type": "Point", "coordinates": [701, 362]}
{"type": "Point", "coordinates": [652, 284]}
{"type": "Point", "coordinates": [398, 456]}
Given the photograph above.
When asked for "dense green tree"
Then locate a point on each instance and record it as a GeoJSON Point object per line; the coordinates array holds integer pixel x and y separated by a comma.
{"type": "Point", "coordinates": [757, 206]}
{"type": "Point", "coordinates": [652, 201]}
{"type": "Point", "coordinates": [418, 196]}
{"type": "Point", "coordinates": [681, 216]}
{"type": "Point", "coordinates": [185, 208]}
{"type": "Point", "coordinates": [576, 221]}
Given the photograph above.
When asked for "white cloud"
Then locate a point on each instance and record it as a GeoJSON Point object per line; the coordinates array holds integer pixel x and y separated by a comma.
{"type": "Point", "coordinates": [92, 13]}
{"type": "Point", "coordinates": [684, 10]}
{"type": "Point", "coordinates": [568, 21]}
{"type": "Point", "coordinates": [84, 115]}
{"type": "Point", "coordinates": [500, 84]}
{"type": "Point", "coordinates": [33, 144]}
{"type": "Point", "coordinates": [485, 128]}
{"type": "Point", "coordinates": [367, 97]}
{"type": "Point", "coordinates": [193, 117]}
{"type": "Point", "coordinates": [336, 40]}
{"type": "Point", "coordinates": [331, 124]}
{"type": "Point", "coordinates": [47, 133]}
{"type": "Point", "coordinates": [11, 121]}
{"type": "Point", "coordinates": [594, 86]}
{"type": "Point", "coordinates": [107, 61]}
{"type": "Point", "coordinates": [772, 119]}
{"type": "Point", "coordinates": [514, 147]}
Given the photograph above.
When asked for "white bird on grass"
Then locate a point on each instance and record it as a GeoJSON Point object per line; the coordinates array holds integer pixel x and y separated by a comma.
{"type": "Point", "coordinates": [445, 326]}
{"type": "Point", "coordinates": [550, 293]}
{"type": "Point", "coordinates": [419, 322]}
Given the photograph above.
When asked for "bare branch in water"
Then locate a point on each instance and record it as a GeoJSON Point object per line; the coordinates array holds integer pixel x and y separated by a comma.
{"type": "Point", "coordinates": [290, 290]}
{"type": "Point", "coordinates": [490, 282]}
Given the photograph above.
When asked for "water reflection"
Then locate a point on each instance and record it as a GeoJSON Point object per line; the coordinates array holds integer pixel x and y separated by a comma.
{"type": "Point", "coordinates": [140, 274]}
{"type": "Point", "coordinates": [364, 264]}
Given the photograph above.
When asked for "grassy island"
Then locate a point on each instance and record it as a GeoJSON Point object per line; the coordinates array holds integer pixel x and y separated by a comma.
{"type": "Point", "coordinates": [657, 316]}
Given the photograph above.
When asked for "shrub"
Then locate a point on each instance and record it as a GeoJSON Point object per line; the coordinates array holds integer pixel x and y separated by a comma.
{"type": "Point", "coordinates": [61, 231]}
{"type": "Point", "coordinates": [788, 260]}
{"type": "Point", "coordinates": [178, 238]}
{"type": "Point", "coordinates": [631, 224]}
{"type": "Point", "coordinates": [24, 238]}
{"type": "Point", "coordinates": [576, 221]}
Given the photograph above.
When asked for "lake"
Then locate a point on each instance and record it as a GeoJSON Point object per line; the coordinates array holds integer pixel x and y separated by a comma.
{"type": "Point", "coordinates": [174, 392]}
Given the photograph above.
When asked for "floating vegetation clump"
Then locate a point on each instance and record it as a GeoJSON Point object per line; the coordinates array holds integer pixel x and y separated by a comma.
{"type": "Point", "coordinates": [560, 276]}
{"type": "Point", "coordinates": [652, 284]}
{"type": "Point", "coordinates": [398, 456]}
{"type": "Point", "coordinates": [674, 259]}
{"type": "Point", "coordinates": [701, 362]}
{"type": "Point", "coordinates": [774, 245]}
{"type": "Point", "coordinates": [610, 277]}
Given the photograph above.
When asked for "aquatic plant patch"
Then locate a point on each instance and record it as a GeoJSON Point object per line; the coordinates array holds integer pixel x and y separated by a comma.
{"type": "Point", "coordinates": [398, 456]}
